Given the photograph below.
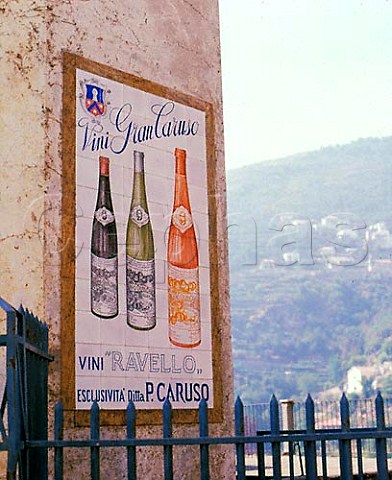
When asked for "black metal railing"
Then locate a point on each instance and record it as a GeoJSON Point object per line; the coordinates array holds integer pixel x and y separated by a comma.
{"type": "Point", "coordinates": [24, 435]}
{"type": "Point", "coordinates": [273, 440]}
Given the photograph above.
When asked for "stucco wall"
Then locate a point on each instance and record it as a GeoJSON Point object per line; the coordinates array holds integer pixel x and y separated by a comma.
{"type": "Point", "coordinates": [22, 140]}
{"type": "Point", "coordinates": [22, 157]}
{"type": "Point", "coordinates": [174, 43]}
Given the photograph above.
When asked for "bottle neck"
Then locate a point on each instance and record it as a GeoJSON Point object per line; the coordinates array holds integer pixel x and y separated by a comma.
{"type": "Point", "coordinates": [181, 195]}
{"type": "Point", "coordinates": [181, 165]}
{"type": "Point", "coordinates": [139, 185]}
{"type": "Point", "coordinates": [139, 189]}
{"type": "Point", "coordinates": [104, 195]}
{"type": "Point", "coordinates": [104, 163]}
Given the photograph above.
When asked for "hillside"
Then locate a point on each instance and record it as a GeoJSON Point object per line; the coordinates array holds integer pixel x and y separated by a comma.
{"type": "Point", "coordinates": [311, 270]}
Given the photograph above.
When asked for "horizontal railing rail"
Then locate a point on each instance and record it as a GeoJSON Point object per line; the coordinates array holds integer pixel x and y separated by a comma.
{"type": "Point", "coordinates": [329, 432]}
{"type": "Point", "coordinates": [363, 434]}
{"type": "Point", "coordinates": [25, 344]}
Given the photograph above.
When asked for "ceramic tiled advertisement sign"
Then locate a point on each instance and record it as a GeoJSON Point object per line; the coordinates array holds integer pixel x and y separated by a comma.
{"type": "Point", "coordinates": [142, 270]}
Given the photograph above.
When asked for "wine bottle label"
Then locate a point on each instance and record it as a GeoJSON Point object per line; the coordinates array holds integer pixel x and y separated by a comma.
{"type": "Point", "coordinates": [104, 216]}
{"type": "Point", "coordinates": [141, 293]}
{"type": "Point", "coordinates": [139, 216]}
{"type": "Point", "coordinates": [184, 306]}
{"type": "Point", "coordinates": [104, 293]}
{"type": "Point", "coordinates": [182, 219]}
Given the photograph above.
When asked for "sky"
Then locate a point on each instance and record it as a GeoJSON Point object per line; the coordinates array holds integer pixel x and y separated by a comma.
{"type": "Point", "coordinates": [302, 74]}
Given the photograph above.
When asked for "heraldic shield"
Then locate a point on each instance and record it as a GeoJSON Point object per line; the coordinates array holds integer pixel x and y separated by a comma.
{"type": "Point", "coordinates": [95, 103]}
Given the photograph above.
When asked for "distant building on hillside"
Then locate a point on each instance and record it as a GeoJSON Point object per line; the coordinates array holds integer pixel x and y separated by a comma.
{"type": "Point", "coordinates": [356, 377]}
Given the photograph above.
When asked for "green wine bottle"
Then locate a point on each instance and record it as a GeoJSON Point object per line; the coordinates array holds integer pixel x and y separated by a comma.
{"type": "Point", "coordinates": [141, 310]}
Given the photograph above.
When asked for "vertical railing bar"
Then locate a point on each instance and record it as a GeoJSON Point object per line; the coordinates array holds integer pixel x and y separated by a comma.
{"type": "Point", "coordinates": [247, 427]}
{"type": "Point", "coordinates": [371, 445]}
{"type": "Point", "coordinates": [204, 453]}
{"type": "Point", "coordinates": [360, 419]}
{"type": "Point", "coordinates": [4, 437]}
{"type": "Point", "coordinates": [4, 401]}
{"type": "Point", "coordinates": [21, 367]}
{"type": "Point", "coordinates": [25, 411]}
{"type": "Point", "coordinates": [310, 446]}
{"type": "Point", "coordinates": [301, 466]}
{"type": "Point", "coordinates": [14, 426]}
{"type": "Point", "coordinates": [345, 445]}
{"type": "Point", "coordinates": [275, 430]}
{"type": "Point", "coordinates": [261, 461]}
{"type": "Point", "coordinates": [360, 459]}
{"type": "Point", "coordinates": [58, 435]}
{"type": "Point", "coordinates": [291, 460]}
{"type": "Point", "coordinates": [131, 434]}
{"type": "Point", "coordinates": [324, 459]}
{"type": "Point", "coordinates": [2, 411]}
{"type": "Point", "coordinates": [328, 414]}
{"type": "Point", "coordinates": [168, 433]}
{"type": "Point", "coordinates": [367, 415]}
{"type": "Point", "coordinates": [239, 432]}
{"type": "Point", "coordinates": [22, 389]}
{"type": "Point", "coordinates": [94, 435]}
{"type": "Point", "coordinates": [381, 447]}
{"type": "Point", "coordinates": [22, 473]}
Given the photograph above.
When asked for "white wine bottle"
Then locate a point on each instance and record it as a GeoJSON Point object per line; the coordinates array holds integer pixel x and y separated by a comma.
{"type": "Point", "coordinates": [141, 303]}
{"type": "Point", "coordinates": [183, 265]}
{"type": "Point", "coordinates": [104, 258]}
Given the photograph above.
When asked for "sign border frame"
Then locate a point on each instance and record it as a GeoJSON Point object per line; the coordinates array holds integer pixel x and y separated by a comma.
{"type": "Point", "coordinates": [74, 417]}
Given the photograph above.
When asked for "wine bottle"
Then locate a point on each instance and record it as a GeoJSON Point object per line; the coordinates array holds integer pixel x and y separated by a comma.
{"type": "Point", "coordinates": [104, 259]}
{"type": "Point", "coordinates": [141, 310]}
{"type": "Point", "coordinates": [183, 265]}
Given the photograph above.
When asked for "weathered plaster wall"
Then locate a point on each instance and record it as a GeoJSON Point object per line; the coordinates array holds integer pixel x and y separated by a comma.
{"type": "Point", "coordinates": [22, 159]}
{"type": "Point", "coordinates": [174, 43]}
{"type": "Point", "coordinates": [22, 152]}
